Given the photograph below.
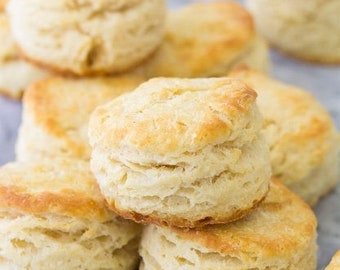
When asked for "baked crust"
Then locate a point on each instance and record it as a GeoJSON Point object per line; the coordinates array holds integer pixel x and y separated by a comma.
{"type": "Point", "coordinates": [53, 216]}
{"type": "Point", "coordinates": [52, 187]}
{"type": "Point", "coordinates": [280, 233]}
{"type": "Point", "coordinates": [137, 122]}
{"type": "Point", "coordinates": [285, 27]}
{"type": "Point", "coordinates": [304, 142]}
{"type": "Point", "coordinates": [161, 219]}
{"type": "Point", "coordinates": [57, 110]}
{"type": "Point", "coordinates": [183, 152]}
{"type": "Point", "coordinates": [207, 45]}
{"type": "Point", "coordinates": [87, 38]}
{"type": "Point", "coordinates": [262, 228]}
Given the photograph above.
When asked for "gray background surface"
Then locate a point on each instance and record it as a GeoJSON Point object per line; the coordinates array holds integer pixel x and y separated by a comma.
{"type": "Point", "coordinates": [322, 81]}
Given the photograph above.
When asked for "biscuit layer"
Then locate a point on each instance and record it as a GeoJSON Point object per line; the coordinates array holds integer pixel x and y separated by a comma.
{"type": "Point", "coordinates": [182, 152]}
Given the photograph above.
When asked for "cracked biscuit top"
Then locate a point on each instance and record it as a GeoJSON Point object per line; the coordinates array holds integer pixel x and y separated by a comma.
{"type": "Point", "coordinates": [168, 116]}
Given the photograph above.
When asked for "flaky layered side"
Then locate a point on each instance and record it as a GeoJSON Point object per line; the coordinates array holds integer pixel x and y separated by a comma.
{"type": "Point", "coordinates": [52, 215]}
{"type": "Point", "coordinates": [279, 234]}
{"type": "Point", "coordinates": [55, 242]}
{"type": "Point", "coordinates": [182, 152]}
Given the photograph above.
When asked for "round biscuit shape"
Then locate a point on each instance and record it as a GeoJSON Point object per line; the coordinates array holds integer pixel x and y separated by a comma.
{"type": "Point", "coordinates": [87, 37]}
{"type": "Point", "coordinates": [308, 30]}
{"type": "Point", "coordinates": [209, 45]}
{"type": "Point", "coordinates": [181, 152]}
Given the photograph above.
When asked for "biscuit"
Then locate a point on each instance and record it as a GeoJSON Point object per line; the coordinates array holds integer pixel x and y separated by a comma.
{"type": "Point", "coordinates": [3, 4]}
{"type": "Point", "coordinates": [10, 63]}
{"type": "Point", "coordinates": [87, 37]}
{"type": "Point", "coordinates": [305, 29]}
{"type": "Point", "coordinates": [335, 262]}
{"type": "Point", "coordinates": [56, 112]}
{"type": "Point", "coordinates": [304, 143]}
{"type": "Point", "coordinates": [181, 152]}
{"type": "Point", "coordinates": [279, 234]}
{"type": "Point", "coordinates": [53, 216]}
{"type": "Point", "coordinates": [222, 36]}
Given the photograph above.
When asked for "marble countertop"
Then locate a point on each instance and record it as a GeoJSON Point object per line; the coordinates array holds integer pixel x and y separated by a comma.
{"type": "Point", "coordinates": [322, 81]}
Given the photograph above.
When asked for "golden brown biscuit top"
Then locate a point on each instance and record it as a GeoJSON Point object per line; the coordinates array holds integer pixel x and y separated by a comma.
{"type": "Point", "coordinates": [294, 122]}
{"type": "Point", "coordinates": [63, 105]}
{"type": "Point", "coordinates": [64, 187]}
{"type": "Point", "coordinates": [229, 23]}
{"type": "Point", "coordinates": [281, 224]}
{"type": "Point", "coordinates": [165, 116]}
{"type": "Point", "coordinates": [201, 38]}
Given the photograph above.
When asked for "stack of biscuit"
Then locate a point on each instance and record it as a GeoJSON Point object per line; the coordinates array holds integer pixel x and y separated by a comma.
{"type": "Point", "coordinates": [53, 213]}
{"type": "Point", "coordinates": [303, 141]}
{"type": "Point", "coordinates": [279, 234]}
{"type": "Point", "coordinates": [199, 162]}
{"type": "Point", "coordinates": [179, 151]}
{"type": "Point", "coordinates": [187, 158]}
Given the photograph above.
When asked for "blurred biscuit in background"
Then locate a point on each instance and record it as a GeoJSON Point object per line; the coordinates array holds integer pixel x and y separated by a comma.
{"type": "Point", "coordinates": [53, 216]}
{"type": "Point", "coordinates": [56, 112]}
{"type": "Point", "coordinates": [3, 4]}
{"type": "Point", "coordinates": [87, 37]}
{"type": "Point", "coordinates": [221, 37]}
{"type": "Point", "coordinates": [304, 142]}
{"type": "Point", "coordinates": [207, 39]}
{"type": "Point", "coordinates": [15, 73]}
{"type": "Point", "coordinates": [309, 30]}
